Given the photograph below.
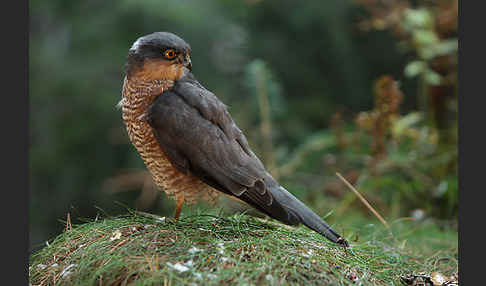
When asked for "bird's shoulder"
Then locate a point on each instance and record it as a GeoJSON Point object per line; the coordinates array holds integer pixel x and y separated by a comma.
{"type": "Point", "coordinates": [186, 93]}
{"type": "Point", "coordinates": [206, 102]}
{"type": "Point", "coordinates": [189, 96]}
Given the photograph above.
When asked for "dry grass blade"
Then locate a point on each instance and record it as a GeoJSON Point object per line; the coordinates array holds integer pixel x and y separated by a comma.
{"type": "Point", "coordinates": [68, 222]}
{"type": "Point", "coordinates": [365, 202]}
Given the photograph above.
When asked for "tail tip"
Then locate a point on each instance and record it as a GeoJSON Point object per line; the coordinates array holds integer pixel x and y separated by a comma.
{"type": "Point", "coordinates": [343, 242]}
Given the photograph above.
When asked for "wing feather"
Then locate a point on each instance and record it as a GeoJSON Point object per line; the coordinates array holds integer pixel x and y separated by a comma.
{"type": "Point", "coordinates": [199, 136]}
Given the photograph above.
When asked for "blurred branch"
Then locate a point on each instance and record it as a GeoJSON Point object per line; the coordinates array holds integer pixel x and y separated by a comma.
{"type": "Point", "coordinates": [133, 180]}
{"type": "Point", "coordinates": [313, 144]}
{"type": "Point", "coordinates": [266, 122]}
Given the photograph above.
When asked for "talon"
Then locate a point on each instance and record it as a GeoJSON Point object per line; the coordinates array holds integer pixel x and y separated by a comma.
{"type": "Point", "coordinates": [180, 202]}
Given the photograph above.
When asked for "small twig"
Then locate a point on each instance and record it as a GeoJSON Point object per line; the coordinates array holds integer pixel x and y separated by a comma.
{"type": "Point", "coordinates": [365, 202]}
{"type": "Point", "coordinates": [118, 245]}
{"type": "Point", "coordinates": [149, 263]}
{"type": "Point", "coordinates": [149, 215]}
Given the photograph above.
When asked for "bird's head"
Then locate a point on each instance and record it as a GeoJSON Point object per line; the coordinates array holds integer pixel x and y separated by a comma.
{"type": "Point", "coordinates": [158, 56]}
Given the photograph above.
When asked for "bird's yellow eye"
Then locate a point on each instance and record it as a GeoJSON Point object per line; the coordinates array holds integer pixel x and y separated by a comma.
{"type": "Point", "coordinates": [170, 54]}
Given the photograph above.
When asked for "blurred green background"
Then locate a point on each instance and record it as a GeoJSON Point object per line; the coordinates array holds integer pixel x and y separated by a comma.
{"type": "Point", "coordinates": [366, 88]}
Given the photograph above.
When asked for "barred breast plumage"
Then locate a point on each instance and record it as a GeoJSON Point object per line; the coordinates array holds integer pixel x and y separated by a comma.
{"type": "Point", "coordinates": [137, 96]}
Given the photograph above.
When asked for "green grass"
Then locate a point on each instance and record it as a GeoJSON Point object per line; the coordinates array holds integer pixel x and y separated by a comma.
{"type": "Point", "coordinates": [240, 250]}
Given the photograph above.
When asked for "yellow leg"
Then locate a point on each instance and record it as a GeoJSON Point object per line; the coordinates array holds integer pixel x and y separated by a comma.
{"type": "Point", "coordinates": [180, 202]}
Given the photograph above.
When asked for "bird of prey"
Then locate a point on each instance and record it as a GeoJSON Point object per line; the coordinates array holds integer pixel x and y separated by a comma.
{"type": "Point", "coordinates": [188, 140]}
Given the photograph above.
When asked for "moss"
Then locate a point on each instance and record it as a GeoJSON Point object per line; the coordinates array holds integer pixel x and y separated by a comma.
{"type": "Point", "coordinates": [213, 250]}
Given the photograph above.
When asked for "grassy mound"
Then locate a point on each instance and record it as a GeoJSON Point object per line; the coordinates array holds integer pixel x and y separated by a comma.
{"type": "Point", "coordinates": [212, 250]}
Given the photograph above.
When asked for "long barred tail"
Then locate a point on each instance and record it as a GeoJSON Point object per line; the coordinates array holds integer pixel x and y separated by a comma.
{"type": "Point", "coordinates": [300, 213]}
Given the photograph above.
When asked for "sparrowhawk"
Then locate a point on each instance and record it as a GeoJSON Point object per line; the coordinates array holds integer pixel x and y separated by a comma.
{"type": "Point", "coordinates": [188, 140]}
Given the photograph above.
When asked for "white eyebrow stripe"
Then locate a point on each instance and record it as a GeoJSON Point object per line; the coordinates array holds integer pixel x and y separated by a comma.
{"type": "Point", "coordinates": [136, 44]}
